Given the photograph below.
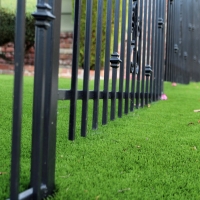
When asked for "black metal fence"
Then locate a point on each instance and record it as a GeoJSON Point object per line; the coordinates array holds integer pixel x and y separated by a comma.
{"type": "Point", "coordinates": [139, 28]}
{"type": "Point", "coordinates": [183, 52]}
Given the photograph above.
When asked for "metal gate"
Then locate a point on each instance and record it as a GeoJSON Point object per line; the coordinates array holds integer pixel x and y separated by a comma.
{"type": "Point", "coordinates": [139, 28]}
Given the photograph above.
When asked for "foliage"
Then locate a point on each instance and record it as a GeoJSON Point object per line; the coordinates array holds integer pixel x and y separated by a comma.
{"type": "Point", "coordinates": [7, 27]}
{"type": "Point", "coordinates": [93, 34]}
{"type": "Point", "coordinates": [11, 5]}
{"type": "Point", "coordinates": [151, 153]}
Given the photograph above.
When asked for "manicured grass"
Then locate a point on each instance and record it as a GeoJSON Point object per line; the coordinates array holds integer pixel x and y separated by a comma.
{"type": "Point", "coordinates": [152, 153]}
{"type": "Point", "coordinates": [11, 4]}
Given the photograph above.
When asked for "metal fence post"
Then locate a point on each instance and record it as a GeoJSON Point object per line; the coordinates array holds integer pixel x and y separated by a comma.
{"type": "Point", "coordinates": [50, 106]}
{"type": "Point", "coordinates": [43, 17]}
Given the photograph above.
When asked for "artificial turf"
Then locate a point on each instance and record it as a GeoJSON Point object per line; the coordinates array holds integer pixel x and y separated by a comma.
{"type": "Point", "coordinates": [151, 153]}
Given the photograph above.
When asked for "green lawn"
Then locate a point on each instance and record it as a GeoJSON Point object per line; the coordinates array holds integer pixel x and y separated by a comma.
{"type": "Point", "coordinates": [152, 153]}
{"type": "Point", "coordinates": [11, 4]}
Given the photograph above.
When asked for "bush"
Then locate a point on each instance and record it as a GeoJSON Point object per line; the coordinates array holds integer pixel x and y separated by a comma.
{"type": "Point", "coordinates": [7, 27]}
{"type": "Point", "coordinates": [93, 33]}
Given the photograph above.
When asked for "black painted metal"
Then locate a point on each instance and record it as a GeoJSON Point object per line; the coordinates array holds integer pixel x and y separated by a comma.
{"type": "Point", "coordinates": [97, 65]}
{"type": "Point", "coordinates": [148, 69]}
{"type": "Point", "coordinates": [128, 55]}
{"type": "Point", "coordinates": [73, 100]}
{"type": "Point", "coordinates": [107, 62]}
{"type": "Point", "coordinates": [144, 50]}
{"type": "Point", "coordinates": [141, 62]}
{"type": "Point", "coordinates": [153, 27]}
{"type": "Point", "coordinates": [122, 55]}
{"type": "Point", "coordinates": [162, 43]}
{"type": "Point", "coordinates": [88, 30]}
{"type": "Point", "coordinates": [17, 103]}
{"type": "Point", "coordinates": [156, 52]}
{"type": "Point", "coordinates": [140, 20]}
{"type": "Point", "coordinates": [134, 46]}
{"type": "Point", "coordinates": [50, 108]}
{"type": "Point", "coordinates": [182, 58]}
{"type": "Point", "coordinates": [157, 55]}
{"type": "Point", "coordinates": [43, 17]}
{"type": "Point", "coordinates": [115, 49]}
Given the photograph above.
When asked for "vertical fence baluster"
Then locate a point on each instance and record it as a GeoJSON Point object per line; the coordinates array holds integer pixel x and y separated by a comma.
{"type": "Point", "coordinates": [148, 52]}
{"type": "Point", "coordinates": [160, 50]}
{"type": "Point", "coordinates": [156, 52]}
{"type": "Point", "coordinates": [115, 49]}
{"type": "Point", "coordinates": [182, 75]}
{"type": "Point", "coordinates": [128, 57]}
{"type": "Point", "coordinates": [163, 52]}
{"type": "Point", "coordinates": [107, 63]}
{"type": "Point", "coordinates": [140, 52]}
{"type": "Point", "coordinates": [159, 66]}
{"type": "Point", "coordinates": [174, 72]}
{"type": "Point", "coordinates": [184, 28]}
{"type": "Point", "coordinates": [195, 41]}
{"type": "Point", "coordinates": [167, 68]}
{"type": "Point", "coordinates": [154, 25]}
{"type": "Point", "coordinates": [51, 90]}
{"type": "Point", "coordinates": [171, 41]}
{"type": "Point", "coordinates": [134, 44]}
{"type": "Point", "coordinates": [198, 39]}
{"type": "Point", "coordinates": [176, 41]}
{"type": "Point", "coordinates": [17, 100]}
{"type": "Point", "coordinates": [42, 16]}
{"type": "Point", "coordinates": [88, 31]}
{"type": "Point", "coordinates": [97, 65]}
{"type": "Point", "coordinates": [74, 79]}
{"type": "Point", "coordinates": [144, 52]}
{"type": "Point", "coordinates": [122, 55]}
{"type": "Point", "coordinates": [192, 41]}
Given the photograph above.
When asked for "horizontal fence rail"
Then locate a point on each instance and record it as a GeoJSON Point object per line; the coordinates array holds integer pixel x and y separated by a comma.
{"type": "Point", "coordinates": [136, 29]}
